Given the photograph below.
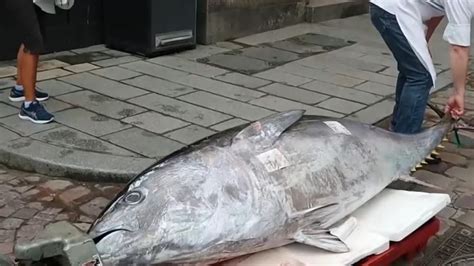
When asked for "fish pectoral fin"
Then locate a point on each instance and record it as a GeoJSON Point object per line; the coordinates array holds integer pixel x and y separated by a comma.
{"type": "Point", "coordinates": [319, 213]}
{"type": "Point", "coordinates": [332, 239]}
{"type": "Point", "coordinates": [322, 239]}
{"type": "Point", "coordinates": [410, 179]}
{"type": "Point", "coordinates": [266, 131]}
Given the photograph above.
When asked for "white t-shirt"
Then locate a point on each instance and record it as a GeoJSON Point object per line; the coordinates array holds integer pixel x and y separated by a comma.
{"type": "Point", "coordinates": [413, 14]}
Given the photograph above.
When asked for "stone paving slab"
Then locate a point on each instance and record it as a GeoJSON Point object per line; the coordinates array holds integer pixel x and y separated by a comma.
{"type": "Point", "coordinates": [89, 122]}
{"type": "Point", "coordinates": [101, 104]}
{"type": "Point", "coordinates": [71, 138]}
{"type": "Point", "coordinates": [144, 142]}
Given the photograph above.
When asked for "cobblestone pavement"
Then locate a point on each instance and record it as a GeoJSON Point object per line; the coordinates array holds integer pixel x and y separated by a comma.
{"type": "Point", "coordinates": [28, 202]}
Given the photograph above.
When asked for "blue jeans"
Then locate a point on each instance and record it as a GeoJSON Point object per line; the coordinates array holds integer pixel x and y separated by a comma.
{"type": "Point", "coordinates": [414, 81]}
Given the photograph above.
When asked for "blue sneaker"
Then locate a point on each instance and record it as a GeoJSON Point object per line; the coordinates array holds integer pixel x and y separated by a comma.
{"type": "Point", "coordinates": [36, 113]}
{"type": "Point", "coordinates": [19, 96]}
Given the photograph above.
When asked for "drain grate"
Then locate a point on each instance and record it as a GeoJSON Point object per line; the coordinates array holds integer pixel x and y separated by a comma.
{"type": "Point", "coordinates": [455, 247]}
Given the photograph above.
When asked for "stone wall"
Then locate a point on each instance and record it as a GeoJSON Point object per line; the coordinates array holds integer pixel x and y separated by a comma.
{"type": "Point", "coordinates": [226, 19]}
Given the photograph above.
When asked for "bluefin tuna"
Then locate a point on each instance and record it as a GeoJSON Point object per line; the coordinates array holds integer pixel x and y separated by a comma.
{"type": "Point", "coordinates": [283, 179]}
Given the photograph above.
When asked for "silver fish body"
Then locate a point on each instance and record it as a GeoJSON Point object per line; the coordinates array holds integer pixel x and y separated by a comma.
{"type": "Point", "coordinates": [286, 178]}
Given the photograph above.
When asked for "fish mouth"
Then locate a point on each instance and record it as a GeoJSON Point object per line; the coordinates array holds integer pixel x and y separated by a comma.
{"type": "Point", "coordinates": [101, 236]}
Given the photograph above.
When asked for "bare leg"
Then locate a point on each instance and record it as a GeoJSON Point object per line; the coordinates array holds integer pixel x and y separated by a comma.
{"type": "Point", "coordinates": [18, 65]}
{"type": "Point", "coordinates": [28, 68]}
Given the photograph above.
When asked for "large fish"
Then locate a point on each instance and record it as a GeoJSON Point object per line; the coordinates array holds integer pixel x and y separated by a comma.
{"type": "Point", "coordinates": [286, 178]}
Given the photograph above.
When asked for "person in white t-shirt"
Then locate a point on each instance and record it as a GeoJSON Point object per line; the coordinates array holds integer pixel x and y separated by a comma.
{"type": "Point", "coordinates": [406, 27]}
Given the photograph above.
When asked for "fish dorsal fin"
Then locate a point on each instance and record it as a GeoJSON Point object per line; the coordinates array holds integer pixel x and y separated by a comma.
{"type": "Point", "coordinates": [265, 132]}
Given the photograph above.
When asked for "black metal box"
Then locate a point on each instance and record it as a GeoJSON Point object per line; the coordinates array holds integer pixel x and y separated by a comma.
{"type": "Point", "coordinates": [150, 27]}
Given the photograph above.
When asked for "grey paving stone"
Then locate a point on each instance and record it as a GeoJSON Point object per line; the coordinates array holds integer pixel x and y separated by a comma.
{"type": "Point", "coordinates": [268, 54]}
{"type": "Point", "coordinates": [225, 105]}
{"type": "Point", "coordinates": [363, 75]}
{"type": "Point", "coordinates": [92, 123]}
{"type": "Point", "coordinates": [295, 46]}
{"type": "Point", "coordinates": [390, 71]}
{"type": "Point", "coordinates": [71, 138]}
{"type": "Point", "coordinates": [55, 55]}
{"type": "Point", "coordinates": [435, 179]}
{"type": "Point", "coordinates": [116, 73]}
{"type": "Point", "coordinates": [104, 86]}
{"type": "Point", "coordinates": [84, 67]}
{"type": "Point", "coordinates": [228, 45]}
{"type": "Point", "coordinates": [342, 92]}
{"type": "Point", "coordinates": [6, 110]}
{"type": "Point", "coordinates": [101, 104]}
{"type": "Point", "coordinates": [114, 53]}
{"type": "Point", "coordinates": [144, 142]}
{"type": "Point", "coordinates": [326, 76]}
{"type": "Point", "coordinates": [376, 88]}
{"type": "Point", "coordinates": [73, 194]}
{"type": "Point", "coordinates": [466, 218]}
{"type": "Point", "coordinates": [380, 59]}
{"type": "Point", "coordinates": [155, 70]}
{"type": "Point", "coordinates": [221, 88]}
{"type": "Point", "coordinates": [341, 106]}
{"type": "Point", "coordinates": [229, 124]}
{"type": "Point", "coordinates": [465, 202]}
{"type": "Point", "coordinates": [243, 80]}
{"type": "Point", "coordinates": [281, 105]}
{"type": "Point", "coordinates": [25, 213]}
{"type": "Point", "coordinates": [55, 87]}
{"type": "Point", "coordinates": [7, 135]}
{"type": "Point", "coordinates": [180, 109]}
{"type": "Point", "coordinates": [11, 223]}
{"type": "Point", "coordinates": [155, 122]}
{"type": "Point", "coordinates": [202, 51]}
{"type": "Point", "coordinates": [116, 61]}
{"type": "Point", "coordinates": [7, 71]}
{"type": "Point", "coordinates": [188, 66]}
{"type": "Point", "coordinates": [454, 159]}
{"type": "Point", "coordinates": [238, 63]}
{"type": "Point", "coordinates": [190, 134]}
{"type": "Point", "coordinates": [24, 128]}
{"type": "Point", "coordinates": [7, 83]}
{"type": "Point", "coordinates": [56, 185]}
{"type": "Point", "coordinates": [323, 40]}
{"type": "Point", "coordinates": [294, 93]}
{"type": "Point", "coordinates": [283, 77]}
{"type": "Point", "coordinates": [50, 64]}
{"type": "Point", "coordinates": [335, 58]}
{"type": "Point", "coordinates": [465, 174]}
{"type": "Point", "coordinates": [90, 49]}
{"type": "Point", "coordinates": [159, 86]}
{"type": "Point", "coordinates": [374, 113]}
{"type": "Point", "coordinates": [94, 207]}
{"type": "Point", "coordinates": [51, 74]}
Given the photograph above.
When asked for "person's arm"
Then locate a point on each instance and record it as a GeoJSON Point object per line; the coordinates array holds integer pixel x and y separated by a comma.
{"type": "Point", "coordinates": [432, 24]}
{"type": "Point", "coordinates": [459, 66]}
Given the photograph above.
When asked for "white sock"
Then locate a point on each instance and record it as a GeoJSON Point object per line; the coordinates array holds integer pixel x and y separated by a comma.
{"type": "Point", "coordinates": [27, 104]}
{"type": "Point", "coordinates": [18, 87]}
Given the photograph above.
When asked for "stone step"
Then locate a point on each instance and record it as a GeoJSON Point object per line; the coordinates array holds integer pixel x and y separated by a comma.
{"type": "Point", "coordinates": [322, 10]}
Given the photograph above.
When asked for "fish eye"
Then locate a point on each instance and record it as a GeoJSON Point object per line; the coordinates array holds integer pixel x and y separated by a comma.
{"type": "Point", "coordinates": [133, 197]}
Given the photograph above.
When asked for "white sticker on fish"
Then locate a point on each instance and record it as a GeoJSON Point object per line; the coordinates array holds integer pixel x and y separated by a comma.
{"type": "Point", "coordinates": [337, 127]}
{"type": "Point", "coordinates": [273, 160]}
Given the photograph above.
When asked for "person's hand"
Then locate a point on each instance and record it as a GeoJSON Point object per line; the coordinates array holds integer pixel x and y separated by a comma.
{"type": "Point", "coordinates": [455, 105]}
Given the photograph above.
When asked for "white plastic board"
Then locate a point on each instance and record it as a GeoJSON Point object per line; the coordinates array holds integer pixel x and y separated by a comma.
{"type": "Point", "coordinates": [390, 216]}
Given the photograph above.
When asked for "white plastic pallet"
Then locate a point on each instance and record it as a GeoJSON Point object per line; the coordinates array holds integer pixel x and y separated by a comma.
{"type": "Point", "coordinates": [390, 216]}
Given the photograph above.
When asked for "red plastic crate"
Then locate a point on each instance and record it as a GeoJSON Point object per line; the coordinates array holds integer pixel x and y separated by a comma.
{"type": "Point", "coordinates": [408, 248]}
